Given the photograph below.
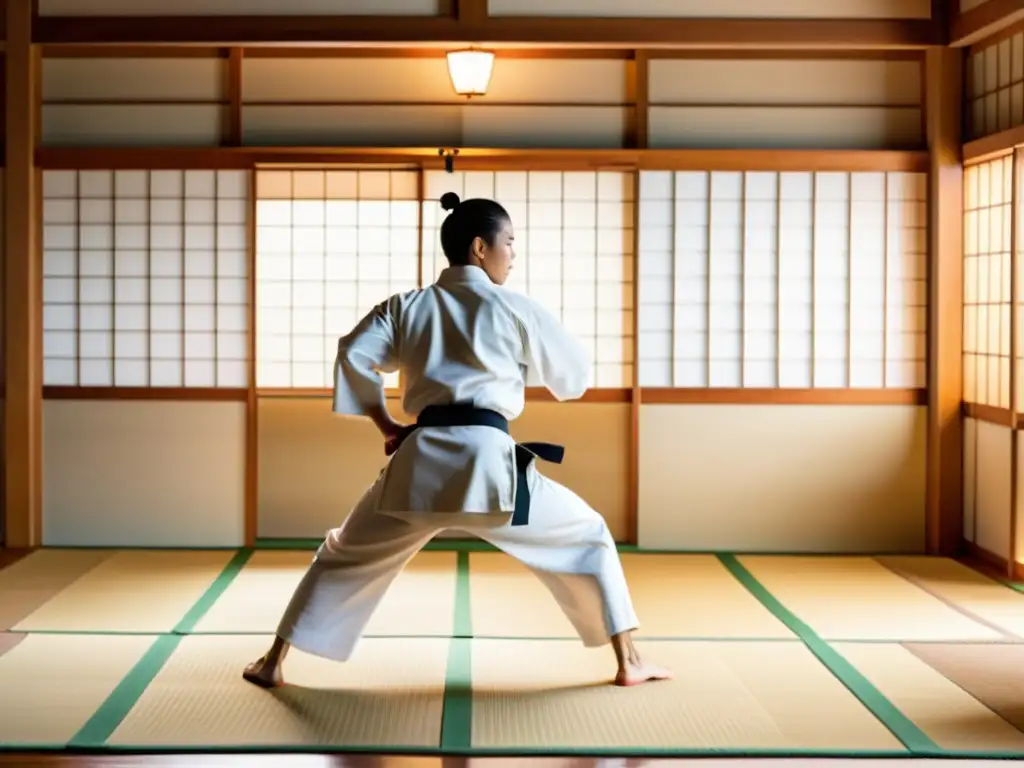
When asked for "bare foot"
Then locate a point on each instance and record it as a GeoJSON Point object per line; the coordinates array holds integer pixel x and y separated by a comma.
{"type": "Point", "coordinates": [635, 674]}
{"type": "Point", "coordinates": [264, 674]}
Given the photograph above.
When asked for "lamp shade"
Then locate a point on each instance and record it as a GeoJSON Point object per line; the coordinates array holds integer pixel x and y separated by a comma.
{"type": "Point", "coordinates": [470, 71]}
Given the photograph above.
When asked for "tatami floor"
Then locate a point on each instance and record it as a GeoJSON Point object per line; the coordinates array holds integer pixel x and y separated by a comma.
{"type": "Point", "coordinates": [126, 650]}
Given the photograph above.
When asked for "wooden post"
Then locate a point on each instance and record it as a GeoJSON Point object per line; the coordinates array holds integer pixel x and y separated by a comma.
{"type": "Point", "coordinates": [23, 404]}
{"type": "Point", "coordinates": [944, 505]}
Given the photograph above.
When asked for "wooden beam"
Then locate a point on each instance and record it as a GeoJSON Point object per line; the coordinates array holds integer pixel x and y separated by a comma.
{"type": "Point", "coordinates": [22, 289]}
{"type": "Point", "coordinates": [55, 158]}
{"type": "Point", "coordinates": [984, 20]}
{"type": "Point", "coordinates": [944, 474]}
{"type": "Point", "coordinates": [990, 414]}
{"type": "Point", "coordinates": [780, 396]}
{"type": "Point", "coordinates": [994, 145]}
{"type": "Point", "coordinates": [471, 28]}
{"type": "Point", "coordinates": [471, 11]}
{"type": "Point", "coordinates": [637, 90]}
{"type": "Point", "coordinates": [233, 92]}
{"type": "Point", "coordinates": [1014, 342]}
{"type": "Point", "coordinates": [252, 414]}
{"type": "Point", "coordinates": [436, 52]}
{"type": "Point", "coordinates": [152, 394]}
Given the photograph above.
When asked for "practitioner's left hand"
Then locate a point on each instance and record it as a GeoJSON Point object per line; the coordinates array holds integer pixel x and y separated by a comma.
{"type": "Point", "coordinates": [393, 439]}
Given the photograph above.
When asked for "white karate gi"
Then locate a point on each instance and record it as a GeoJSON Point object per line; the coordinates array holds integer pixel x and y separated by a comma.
{"type": "Point", "coordinates": [462, 339]}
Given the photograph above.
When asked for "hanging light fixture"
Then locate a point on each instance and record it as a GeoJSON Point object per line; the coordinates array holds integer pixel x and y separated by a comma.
{"type": "Point", "coordinates": [470, 71]}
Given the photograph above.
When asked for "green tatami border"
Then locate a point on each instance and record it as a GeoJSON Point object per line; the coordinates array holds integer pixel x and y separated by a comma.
{"type": "Point", "coordinates": [901, 726]}
{"type": "Point", "coordinates": [457, 707]}
{"type": "Point", "coordinates": [123, 698]}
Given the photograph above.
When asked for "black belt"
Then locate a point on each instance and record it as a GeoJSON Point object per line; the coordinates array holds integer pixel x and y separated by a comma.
{"type": "Point", "coordinates": [463, 415]}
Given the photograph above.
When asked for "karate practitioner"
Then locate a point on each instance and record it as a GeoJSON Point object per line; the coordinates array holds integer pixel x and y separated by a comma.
{"type": "Point", "coordinates": [465, 342]}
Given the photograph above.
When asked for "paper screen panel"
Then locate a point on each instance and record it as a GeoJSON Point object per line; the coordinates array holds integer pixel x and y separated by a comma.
{"type": "Point", "coordinates": [995, 86]}
{"type": "Point", "coordinates": [574, 251]}
{"type": "Point", "coordinates": [793, 279]}
{"type": "Point", "coordinates": [987, 282]}
{"type": "Point", "coordinates": [330, 246]}
{"type": "Point", "coordinates": [145, 278]}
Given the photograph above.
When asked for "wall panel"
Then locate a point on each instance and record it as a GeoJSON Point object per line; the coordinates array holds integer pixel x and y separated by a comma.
{"type": "Point", "coordinates": [325, 126]}
{"type": "Point", "coordinates": [993, 473]}
{"type": "Point", "coordinates": [805, 103]}
{"type": "Point", "coordinates": [137, 79]}
{"type": "Point", "coordinates": [791, 82]}
{"type": "Point", "coordinates": [970, 470]}
{"type": "Point", "coordinates": [510, 127]}
{"type": "Point", "coordinates": [1018, 511]}
{"type": "Point", "coordinates": [239, 8]}
{"type": "Point", "coordinates": [124, 125]}
{"type": "Point", "coordinates": [145, 278]}
{"type": "Point", "coordinates": [785, 128]}
{"type": "Point", "coordinates": [158, 474]}
{"type": "Point", "coordinates": [795, 478]}
{"type": "Point", "coordinates": [133, 102]}
{"type": "Point", "coordinates": [544, 127]}
{"type": "Point", "coordinates": [782, 279]}
{"type": "Point", "coordinates": [314, 466]}
{"type": "Point", "coordinates": [423, 80]}
{"type": "Point", "coordinates": [531, 103]}
{"type": "Point", "coordinates": [794, 9]}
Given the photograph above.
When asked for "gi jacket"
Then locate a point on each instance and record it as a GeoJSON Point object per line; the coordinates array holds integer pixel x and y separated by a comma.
{"type": "Point", "coordinates": [462, 339]}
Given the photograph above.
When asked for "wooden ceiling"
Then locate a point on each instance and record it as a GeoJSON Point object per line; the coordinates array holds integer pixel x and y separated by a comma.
{"type": "Point", "coordinates": [467, 22]}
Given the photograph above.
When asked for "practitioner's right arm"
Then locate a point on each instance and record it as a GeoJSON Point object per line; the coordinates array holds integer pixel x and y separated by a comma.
{"type": "Point", "coordinates": [554, 356]}
{"type": "Point", "coordinates": [363, 354]}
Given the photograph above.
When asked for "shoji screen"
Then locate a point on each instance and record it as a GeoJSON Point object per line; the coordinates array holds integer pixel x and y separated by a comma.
{"type": "Point", "coordinates": [988, 214]}
{"type": "Point", "coordinates": [995, 85]}
{"type": "Point", "coordinates": [145, 278]}
{"type": "Point", "coordinates": [574, 251]}
{"type": "Point", "coordinates": [763, 279]}
{"type": "Point", "coordinates": [330, 245]}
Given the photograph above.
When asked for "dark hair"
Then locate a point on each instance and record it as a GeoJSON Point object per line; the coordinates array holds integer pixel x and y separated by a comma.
{"type": "Point", "coordinates": [468, 220]}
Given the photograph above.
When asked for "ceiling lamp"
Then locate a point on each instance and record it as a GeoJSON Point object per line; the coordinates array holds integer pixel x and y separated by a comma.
{"type": "Point", "coordinates": [470, 71]}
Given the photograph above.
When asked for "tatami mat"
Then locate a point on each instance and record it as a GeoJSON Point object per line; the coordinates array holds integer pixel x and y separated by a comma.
{"type": "Point", "coordinates": [947, 713]}
{"type": "Point", "coordinates": [857, 598]}
{"type": "Point", "coordinates": [8, 640]}
{"type": "Point", "coordinates": [965, 588]}
{"type": "Point", "coordinates": [742, 682]}
{"type": "Point", "coordinates": [740, 695]}
{"type": "Point", "coordinates": [131, 591]}
{"type": "Point", "coordinates": [421, 601]}
{"type": "Point", "coordinates": [52, 684]}
{"type": "Point", "coordinates": [33, 580]}
{"type": "Point", "coordinates": [674, 596]}
{"type": "Point", "coordinates": [389, 694]}
{"type": "Point", "coordinates": [994, 675]}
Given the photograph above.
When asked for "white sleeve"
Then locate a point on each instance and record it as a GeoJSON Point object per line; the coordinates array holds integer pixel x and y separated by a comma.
{"type": "Point", "coordinates": [555, 359]}
{"type": "Point", "coordinates": [363, 354]}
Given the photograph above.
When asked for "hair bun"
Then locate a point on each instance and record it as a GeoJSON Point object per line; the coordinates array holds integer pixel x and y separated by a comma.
{"type": "Point", "coordinates": [449, 201]}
